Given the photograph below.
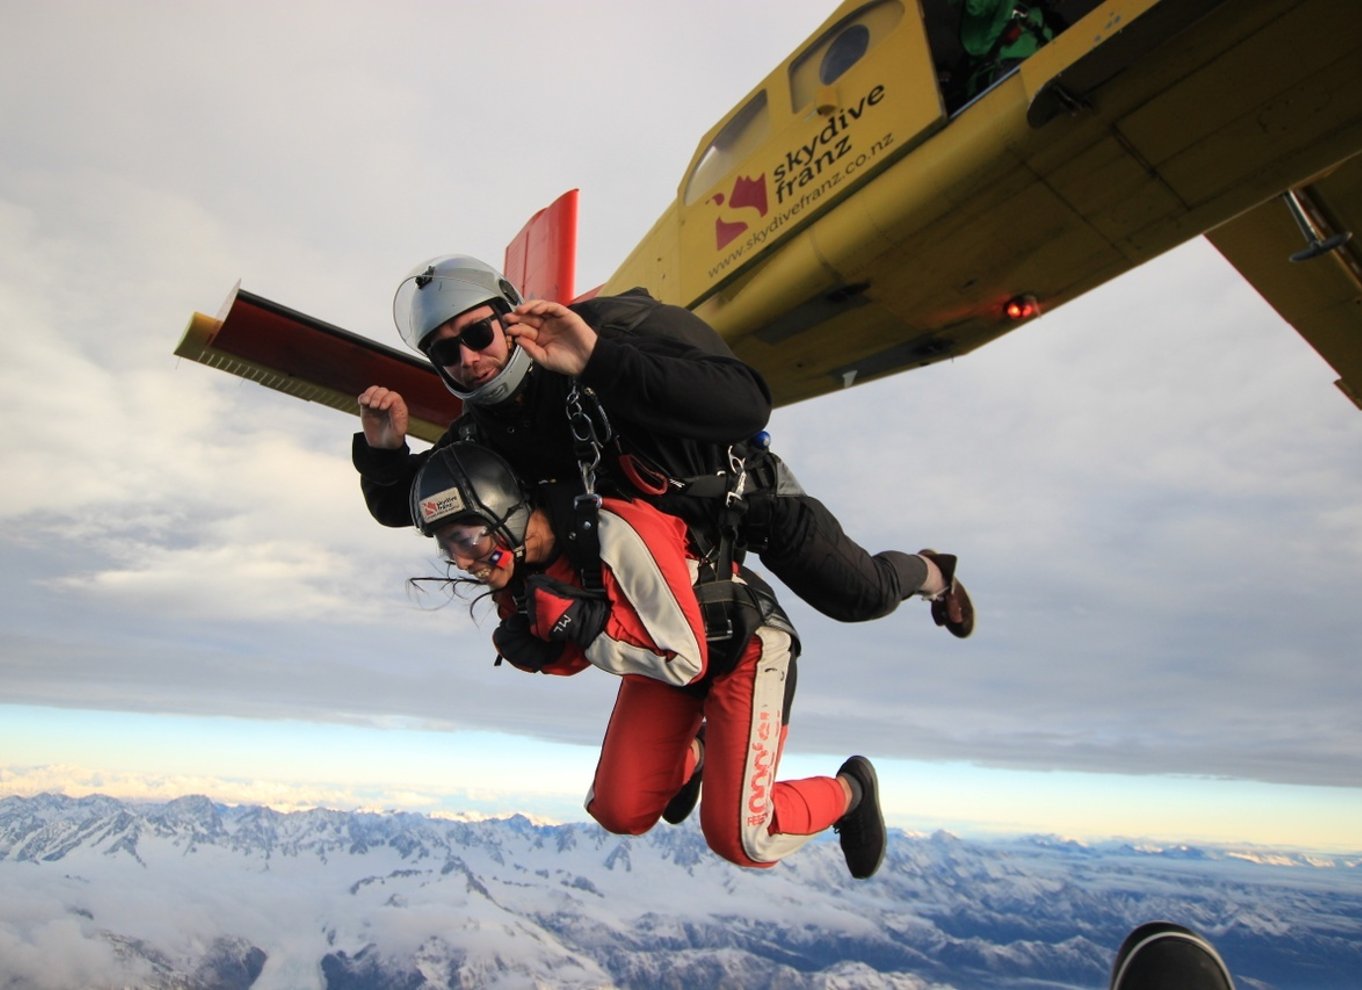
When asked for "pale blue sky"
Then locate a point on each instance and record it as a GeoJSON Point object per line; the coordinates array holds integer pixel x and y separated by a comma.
{"type": "Point", "coordinates": [1152, 490]}
{"type": "Point", "coordinates": [492, 773]}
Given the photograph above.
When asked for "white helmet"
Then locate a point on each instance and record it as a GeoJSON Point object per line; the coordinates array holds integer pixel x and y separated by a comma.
{"type": "Point", "coordinates": [436, 291]}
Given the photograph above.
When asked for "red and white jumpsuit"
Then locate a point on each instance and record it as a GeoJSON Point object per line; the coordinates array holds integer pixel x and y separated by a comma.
{"type": "Point", "coordinates": [654, 637]}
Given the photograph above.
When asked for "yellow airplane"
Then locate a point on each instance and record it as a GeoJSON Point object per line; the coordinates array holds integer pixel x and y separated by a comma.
{"type": "Point", "coordinates": [862, 194]}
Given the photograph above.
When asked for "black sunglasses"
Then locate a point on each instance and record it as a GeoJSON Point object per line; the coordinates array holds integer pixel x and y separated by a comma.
{"type": "Point", "coordinates": [475, 337]}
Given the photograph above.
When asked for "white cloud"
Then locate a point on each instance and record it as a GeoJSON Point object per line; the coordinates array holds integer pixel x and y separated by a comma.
{"type": "Point", "coordinates": [46, 949]}
{"type": "Point", "coordinates": [1148, 488]}
{"type": "Point", "coordinates": [477, 793]}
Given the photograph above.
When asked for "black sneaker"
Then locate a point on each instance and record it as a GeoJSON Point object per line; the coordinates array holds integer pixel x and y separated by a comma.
{"type": "Point", "coordinates": [683, 801]}
{"type": "Point", "coordinates": [862, 828]}
{"type": "Point", "coordinates": [952, 608]}
{"type": "Point", "coordinates": [1163, 955]}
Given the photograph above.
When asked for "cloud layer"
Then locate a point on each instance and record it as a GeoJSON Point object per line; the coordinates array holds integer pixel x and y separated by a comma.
{"type": "Point", "coordinates": [1151, 490]}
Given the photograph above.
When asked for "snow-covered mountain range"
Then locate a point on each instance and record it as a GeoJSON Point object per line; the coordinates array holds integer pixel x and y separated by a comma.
{"type": "Point", "coordinates": [196, 895]}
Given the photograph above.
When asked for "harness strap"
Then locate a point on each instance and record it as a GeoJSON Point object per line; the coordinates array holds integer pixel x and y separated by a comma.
{"type": "Point", "coordinates": [651, 480]}
{"type": "Point", "coordinates": [732, 615]}
{"type": "Point", "coordinates": [584, 540]}
{"type": "Point", "coordinates": [733, 610]}
{"type": "Point", "coordinates": [591, 431]}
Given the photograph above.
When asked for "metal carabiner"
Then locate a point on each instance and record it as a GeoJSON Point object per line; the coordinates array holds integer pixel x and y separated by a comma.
{"type": "Point", "coordinates": [587, 428]}
{"type": "Point", "coordinates": [590, 433]}
{"type": "Point", "coordinates": [738, 466]}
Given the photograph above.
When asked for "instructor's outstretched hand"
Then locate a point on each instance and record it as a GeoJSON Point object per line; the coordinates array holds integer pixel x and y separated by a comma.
{"type": "Point", "coordinates": [383, 416]}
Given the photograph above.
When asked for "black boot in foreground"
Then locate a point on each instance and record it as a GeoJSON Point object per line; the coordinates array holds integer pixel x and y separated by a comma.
{"type": "Point", "coordinates": [861, 829]}
{"type": "Point", "coordinates": [1165, 956]}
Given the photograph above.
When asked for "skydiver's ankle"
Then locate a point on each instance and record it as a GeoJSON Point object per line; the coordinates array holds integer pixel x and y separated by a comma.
{"type": "Point", "coordinates": [851, 787]}
{"type": "Point", "coordinates": [935, 582]}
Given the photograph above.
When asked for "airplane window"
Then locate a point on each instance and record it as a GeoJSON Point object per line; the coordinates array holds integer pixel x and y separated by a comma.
{"type": "Point", "coordinates": [739, 138]}
{"type": "Point", "coordinates": [972, 51]}
{"type": "Point", "coordinates": [843, 53]}
{"type": "Point", "coordinates": [841, 48]}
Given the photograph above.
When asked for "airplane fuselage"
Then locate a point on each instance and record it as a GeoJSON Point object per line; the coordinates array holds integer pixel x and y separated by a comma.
{"type": "Point", "coordinates": [869, 213]}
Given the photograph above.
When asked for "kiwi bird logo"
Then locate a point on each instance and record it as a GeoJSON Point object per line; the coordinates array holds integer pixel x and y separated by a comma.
{"type": "Point", "coordinates": [746, 194]}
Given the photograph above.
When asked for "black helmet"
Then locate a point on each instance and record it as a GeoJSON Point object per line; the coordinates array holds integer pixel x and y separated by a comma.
{"type": "Point", "coordinates": [466, 481]}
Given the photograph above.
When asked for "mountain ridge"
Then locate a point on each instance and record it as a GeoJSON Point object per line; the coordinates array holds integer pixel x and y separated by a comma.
{"type": "Point", "coordinates": [191, 893]}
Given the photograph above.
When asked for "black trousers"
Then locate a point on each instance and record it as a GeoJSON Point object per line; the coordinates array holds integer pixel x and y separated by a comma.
{"type": "Point", "coordinates": [806, 547]}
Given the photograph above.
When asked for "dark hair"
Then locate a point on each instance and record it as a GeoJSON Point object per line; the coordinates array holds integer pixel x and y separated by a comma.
{"type": "Point", "coordinates": [454, 585]}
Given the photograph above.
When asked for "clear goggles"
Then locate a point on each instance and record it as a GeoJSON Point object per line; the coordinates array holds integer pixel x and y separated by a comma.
{"type": "Point", "coordinates": [466, 543]}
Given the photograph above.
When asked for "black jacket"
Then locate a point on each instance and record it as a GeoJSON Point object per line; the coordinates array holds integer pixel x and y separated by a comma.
{"type": "Point", "coordinates": [674, 392]}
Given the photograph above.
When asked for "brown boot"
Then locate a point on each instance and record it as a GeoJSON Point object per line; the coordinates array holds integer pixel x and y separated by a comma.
{"type": "Point", "coordinates": [952, 608]}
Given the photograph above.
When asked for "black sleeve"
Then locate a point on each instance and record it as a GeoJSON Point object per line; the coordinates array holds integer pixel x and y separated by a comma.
{"type": "Point", "coordinates": [385, 478]}
{"type": "Point", "coordinates": [671, 373]}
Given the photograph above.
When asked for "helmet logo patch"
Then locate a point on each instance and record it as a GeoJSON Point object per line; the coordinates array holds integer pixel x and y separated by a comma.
{"type": "Point", "coordinates": [441, 504]}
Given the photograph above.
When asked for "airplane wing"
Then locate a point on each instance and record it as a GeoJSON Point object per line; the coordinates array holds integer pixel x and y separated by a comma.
{"type": "Point", "coordinates": [293, 353]}
{"type": "Point", "coordinates": [283, 349]}
{"type": "Point", "coordinates": [1321, 296]}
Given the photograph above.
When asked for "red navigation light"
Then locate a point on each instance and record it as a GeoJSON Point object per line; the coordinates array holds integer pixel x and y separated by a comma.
{"type": "Point", "coordinates": [1021, 308]}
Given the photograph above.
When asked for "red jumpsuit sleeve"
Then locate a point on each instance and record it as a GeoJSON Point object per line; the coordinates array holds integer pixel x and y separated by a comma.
{"type": "Point", "coordinates": [655, 627]}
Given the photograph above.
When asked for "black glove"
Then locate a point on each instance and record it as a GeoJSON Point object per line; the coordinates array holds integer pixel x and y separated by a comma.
{"type": "Point", "coordinates": [563, 613]}
{"type": "Point", "coordinates": [521, 648]}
